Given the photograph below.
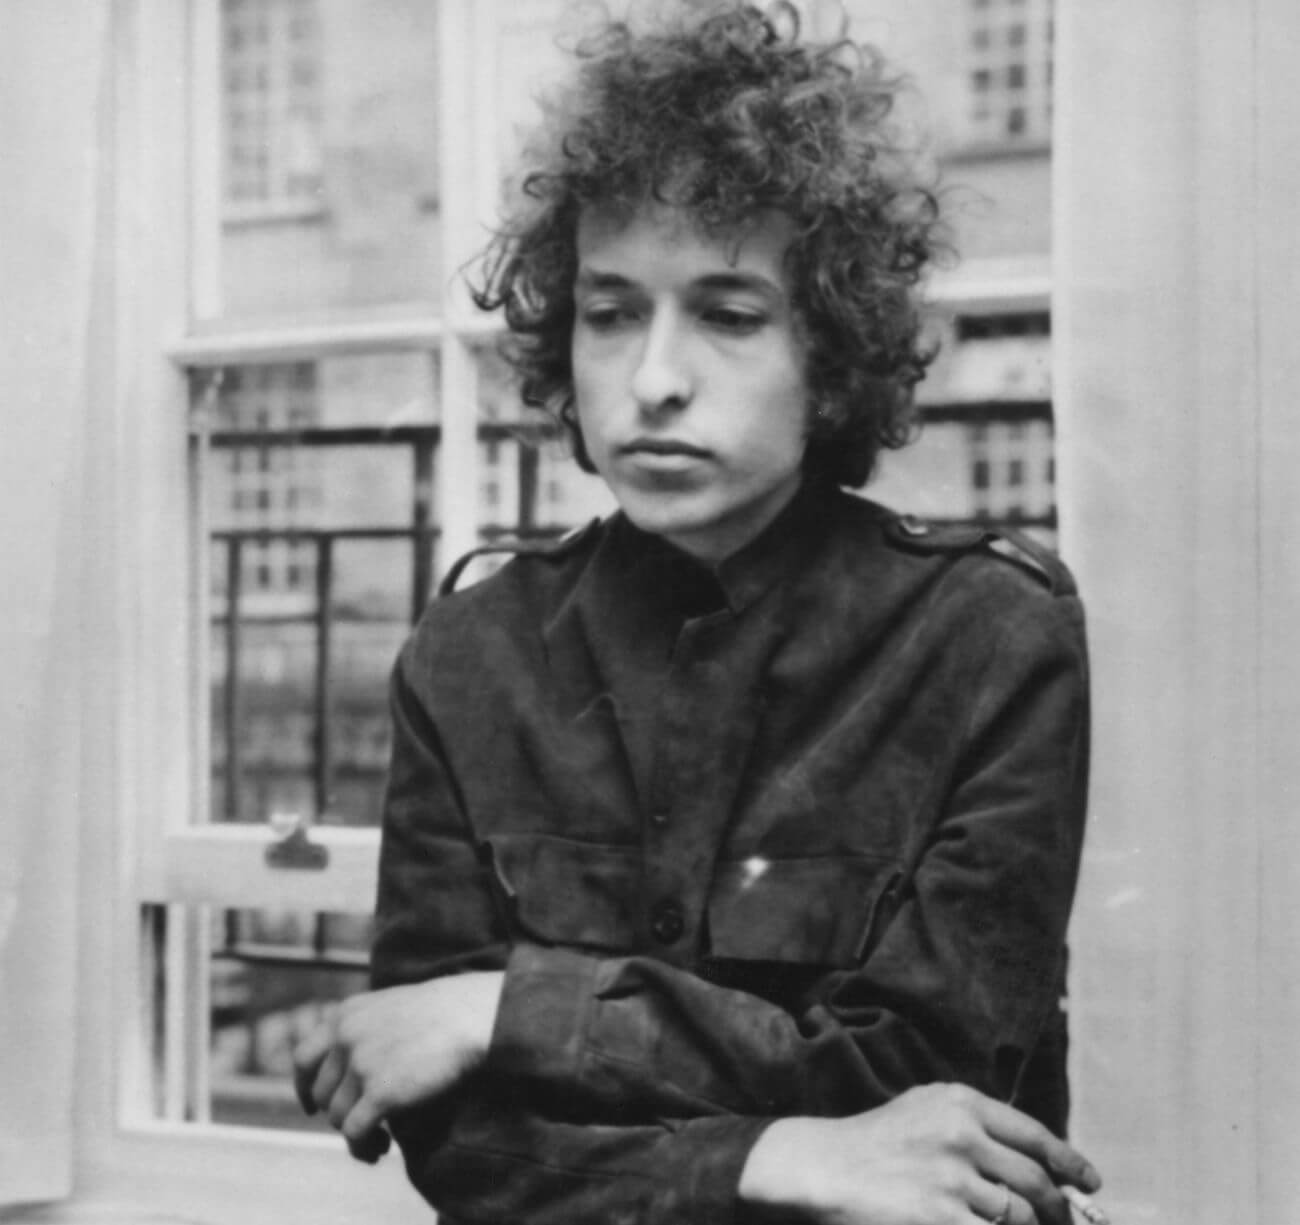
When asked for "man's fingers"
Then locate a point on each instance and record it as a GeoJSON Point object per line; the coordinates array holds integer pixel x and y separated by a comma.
{"type": "Point", "coordinates": [372, 1147]}
{"type": "Point", "coordinates": [307, 1055]}
{"type": "Point", "coordinates": [332, 1085]}
{"type": "Point", "coordinates": [305, 1070]}
{"type": "Point", "coordinates": [304, 1076]}
{"type": "Point", "coordinates": [329, 1075]}
{"type": "Point", "coordinates": [1029, 1182]}
{"type": "Point", "coordinates": [343, 1099]}
{"type": "Point", "coordinates": [364, 1131]}
{"type": "Point", "coordinates": [995, 1201]}
{"type": "Point", "coordinates": [1018, 1131]}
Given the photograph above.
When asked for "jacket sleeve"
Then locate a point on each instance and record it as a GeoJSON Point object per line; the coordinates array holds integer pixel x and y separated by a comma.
{"type": "Point", "coordinates": [498, 1160]}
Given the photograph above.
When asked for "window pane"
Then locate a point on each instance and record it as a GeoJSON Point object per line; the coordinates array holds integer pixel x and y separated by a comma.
{"type": "Point", "coordinates": [976, 463]}
{"type": "Point", "coordinates": [529, 60]}
{"type": "Point", "coordinates": [529, 482]}
{"type": "Point", "coordinates": [328, 152]}
{"type": "Point", "coordinates": [272, 975]}
{"type": "Point", "coordinates": [319, 483]}
{"type": "Point", "coordinates": [1009, 56]}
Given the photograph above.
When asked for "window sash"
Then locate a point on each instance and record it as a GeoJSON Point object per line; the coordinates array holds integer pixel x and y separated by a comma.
{"type": "Point", "coordinates": [228, 865]}
{"type": "Point", "coordinates": [171, 856]}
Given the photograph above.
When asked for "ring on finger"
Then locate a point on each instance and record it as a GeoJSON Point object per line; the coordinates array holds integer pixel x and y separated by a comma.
{"type": "Point", "coordinates": [1004, 1214]}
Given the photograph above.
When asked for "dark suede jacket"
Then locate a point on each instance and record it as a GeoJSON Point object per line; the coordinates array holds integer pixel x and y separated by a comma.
{"type": "Point", "coordinates": [788, 837]}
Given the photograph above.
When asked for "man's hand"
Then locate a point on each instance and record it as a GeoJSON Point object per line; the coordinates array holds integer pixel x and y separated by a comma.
{"type": "Point", "coordinates": [385, 1050]}
{"type": "Point", "coordinates": [940, 1153]}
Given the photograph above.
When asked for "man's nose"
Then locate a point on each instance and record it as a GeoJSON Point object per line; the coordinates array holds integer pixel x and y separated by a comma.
{"type": "Point", "coordinates": [662, 378]}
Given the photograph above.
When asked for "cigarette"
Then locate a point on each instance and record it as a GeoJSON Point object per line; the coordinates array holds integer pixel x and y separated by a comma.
{"type": "Point", "coordinates": [1084, 1206]}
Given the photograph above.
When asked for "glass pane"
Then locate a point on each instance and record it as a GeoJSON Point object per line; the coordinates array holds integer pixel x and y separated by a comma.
{"type": "Point", "coordinates": [529, 59]}
{"type": "Point", "coordinates": [989, 469]}
{"type": "Point", "coordinates": [329, 154]}
{"type": "Point", "coordinates": [529, 482]}
{"type": "Point", "coordinates": [319, 485]}
{"type": "Point", "coordinates": [272, 975]}
{"type": "Point", "coordinates": [1007, 90]}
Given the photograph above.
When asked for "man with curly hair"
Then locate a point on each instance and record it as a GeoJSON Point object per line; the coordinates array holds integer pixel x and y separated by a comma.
{"type": "Point", "coordinates": [728, 846]}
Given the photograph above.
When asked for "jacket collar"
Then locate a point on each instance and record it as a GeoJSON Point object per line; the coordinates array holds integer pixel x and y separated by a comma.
{"type": "Point", "coordinates": [638, 587]}
{"type": "Point", "coordinates": [668, 573]}
{"type": "Point", "coordinates": [778, 550]}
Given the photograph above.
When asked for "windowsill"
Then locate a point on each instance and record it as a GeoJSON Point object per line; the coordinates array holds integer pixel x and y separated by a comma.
{"type": "Point", "coordinates": [176, 1174]}
{"type": "Point", "coordinates": [399, 325]}
{"type": "Point", "coordinates": [996, 151]}
{"type": "Point", "coordinates": [272, 212]}
{"type": "Point", "coordinates": [994, 286]}
{"type": "Point", "coordinates": [289, 212]}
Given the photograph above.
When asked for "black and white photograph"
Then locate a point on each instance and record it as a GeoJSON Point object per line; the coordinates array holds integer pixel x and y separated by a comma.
{"type": "Point", "coordinates": [649, 612]}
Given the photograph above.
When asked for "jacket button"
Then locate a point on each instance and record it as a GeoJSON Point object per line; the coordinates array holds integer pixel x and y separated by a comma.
{"type": "Point", "coordinates": [667, 922]}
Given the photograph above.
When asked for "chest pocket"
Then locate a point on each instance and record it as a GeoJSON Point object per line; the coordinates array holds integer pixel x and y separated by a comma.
{"type": "Point", "coordinates": [560, 891]}
{"type": "Point", "coordinates": [826, 911]}
{"type": "Point", "coordinates": [818, 911]}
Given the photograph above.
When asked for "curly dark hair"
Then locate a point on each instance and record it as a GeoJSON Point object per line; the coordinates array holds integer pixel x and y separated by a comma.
{"type": "Point", "coordinates": [724, 111]}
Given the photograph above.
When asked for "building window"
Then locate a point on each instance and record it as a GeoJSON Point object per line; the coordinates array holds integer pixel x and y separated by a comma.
{"type": "Point", "coordinates": [1009, 72]}
{"type": "Point", "coordinates": [984, 454]}
{"type": "Point", "coordinates": [1011, 467]}
{"type": "Point", "coordinates": [254, 406]}
{"type": "Point", "coordinates": [271, 95]}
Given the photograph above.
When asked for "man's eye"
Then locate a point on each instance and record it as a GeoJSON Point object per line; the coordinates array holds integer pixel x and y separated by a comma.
{"type": "Point", "coordinates": [603, 317]}
{"type": "Point", "coordinates": [738, 321]}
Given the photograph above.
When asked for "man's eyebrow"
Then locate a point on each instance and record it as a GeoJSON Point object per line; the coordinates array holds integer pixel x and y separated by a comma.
{"type": "Point", "coordinates": [593, 278]}
{"type": "Point", "coordinates": [754, 282]}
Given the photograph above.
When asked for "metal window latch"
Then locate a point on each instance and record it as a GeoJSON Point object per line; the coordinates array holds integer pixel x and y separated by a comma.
{"type": "Point", "coordinates": [292, 848]}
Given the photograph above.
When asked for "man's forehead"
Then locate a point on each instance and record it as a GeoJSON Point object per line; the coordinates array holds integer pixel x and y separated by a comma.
{"type": "Point", "coordinates": [764, 235]}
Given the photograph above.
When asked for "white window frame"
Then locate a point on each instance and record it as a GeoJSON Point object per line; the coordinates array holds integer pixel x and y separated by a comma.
{"type": "Point", "coordinates": [134, 1155]}
{"type": "Point", "coordinates": [187, 855]}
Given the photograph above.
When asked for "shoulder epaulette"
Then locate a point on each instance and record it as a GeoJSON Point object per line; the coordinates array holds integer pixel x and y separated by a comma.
{"type": "Point", "coordinates": [570, 542]}
{"type": "Point", "coordinates": [918, 536]}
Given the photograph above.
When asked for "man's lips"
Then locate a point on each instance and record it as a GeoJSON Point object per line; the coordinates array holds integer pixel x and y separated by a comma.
{"type": "Point", "coordinates": [666, 447]}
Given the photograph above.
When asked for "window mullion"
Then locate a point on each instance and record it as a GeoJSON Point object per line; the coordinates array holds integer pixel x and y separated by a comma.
{"type": "Point", "coordinates": [458, 460]}
{"type": "Point", "coordinates": [206, 169]}
{"type": "Point", "coordinates": [185, 1075]}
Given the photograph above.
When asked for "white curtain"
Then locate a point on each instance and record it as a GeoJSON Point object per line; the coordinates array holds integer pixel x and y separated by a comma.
{"type": "Point", "coordinates": [1178, 277]}
{"type": "Point", "coordinates": [53, 202]}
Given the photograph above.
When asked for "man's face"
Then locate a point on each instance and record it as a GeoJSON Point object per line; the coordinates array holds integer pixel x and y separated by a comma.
{"type": "Point", "coordinates": [688, 372]}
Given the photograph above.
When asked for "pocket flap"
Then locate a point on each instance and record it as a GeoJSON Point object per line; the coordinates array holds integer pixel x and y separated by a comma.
{"type": "Point", "coordinates": [567, 892]}
{"type": "Point", "coordinates": [818, 911]}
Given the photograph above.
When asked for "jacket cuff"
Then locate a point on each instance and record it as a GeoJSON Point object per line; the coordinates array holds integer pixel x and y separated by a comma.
{"type": "Point", "coordinates": [709, 1155]}
{"type": "Point", "coordinates": [544, 1012]}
